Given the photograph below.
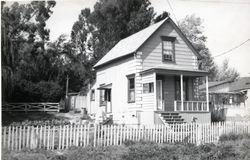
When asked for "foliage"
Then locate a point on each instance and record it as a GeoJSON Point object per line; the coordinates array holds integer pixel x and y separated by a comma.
{"type": "Point", "coordinates": [96, 32]}
{"type": "Point", "coordinates": [232, 150]}
{"type": "Point", "coordinates": [43, 91]}
{"type": "Point", "coordinates": [192, 27]}
{"type": "Point", "coordinates": [233, 137]}
{"type": "Point", "coordinates": [54, 122]}
{"type": "Point", "coordinates": [227, 73]}
{"type": "Point", "coordinates": [23, 38]}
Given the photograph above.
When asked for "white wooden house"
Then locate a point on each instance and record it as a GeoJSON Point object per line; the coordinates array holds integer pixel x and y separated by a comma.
{"type": "Point", "coordinates": [149, 77]}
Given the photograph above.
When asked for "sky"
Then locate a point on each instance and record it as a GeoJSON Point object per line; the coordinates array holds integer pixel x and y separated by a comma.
{"type": "Point", "coordinates": [226, 24]}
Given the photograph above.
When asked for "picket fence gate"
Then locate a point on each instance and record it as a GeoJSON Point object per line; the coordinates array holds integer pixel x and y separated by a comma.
{"type": "Point", "coordinates": [63, 137]}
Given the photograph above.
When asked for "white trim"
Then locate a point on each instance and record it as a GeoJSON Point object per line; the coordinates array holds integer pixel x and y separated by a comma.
{"type": "Point", "coordinates": [181, 79]}
{"type": "Point", "coordinates": [207, 94]}
{"type": "Point", "coordinates": [155, 100]}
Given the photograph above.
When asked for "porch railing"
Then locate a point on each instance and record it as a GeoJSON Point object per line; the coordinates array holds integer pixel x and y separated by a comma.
{"type": "Point", "coordinates": [191, 106]}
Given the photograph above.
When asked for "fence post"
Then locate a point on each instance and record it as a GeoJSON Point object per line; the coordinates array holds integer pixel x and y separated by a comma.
{"type": "Point", "coordinates": [25, 107]}
{"type": "Point", "coordinates": [43, 107]}
{"type": "Point", "coordinates": [199, 134]}
{"type": "Point", "coordinates": [94, 135]}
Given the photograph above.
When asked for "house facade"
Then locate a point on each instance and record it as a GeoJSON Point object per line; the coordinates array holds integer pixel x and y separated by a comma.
{"type": "Point", "coordinates": [229, 100]}
{"type": "Point", "coordinates": [150, 77]}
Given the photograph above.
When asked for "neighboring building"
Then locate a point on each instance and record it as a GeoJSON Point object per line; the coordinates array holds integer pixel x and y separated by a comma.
{"type": "Point", "coordinates": [150, 77]}
{"type": "Point", "coordinates": [230, 99]}
{"type": "Point", "coordinates": [77, 101]}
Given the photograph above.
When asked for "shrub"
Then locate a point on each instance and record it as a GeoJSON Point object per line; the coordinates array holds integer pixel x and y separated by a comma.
{"type": "Point", "coordinates": [53, 122]}
{"type": "Point", "coordinates": [233, 137]}
{"type": "Point", "coordinates": [93, 153]}
{"type": "Point", "coordinates": [43, 91]}
{"type": "Point", "coordinates": [59, 157]}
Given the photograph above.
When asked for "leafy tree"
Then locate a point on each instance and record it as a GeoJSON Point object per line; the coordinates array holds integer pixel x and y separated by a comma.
{"type": "Point", "coordinates": [23, 38]}
{"type": "Point", "coordinates": [192, 27]}
{"type": "Point", "coordinates": [227, 73]}
{"type": "Point", "coordinates": [96, 32]}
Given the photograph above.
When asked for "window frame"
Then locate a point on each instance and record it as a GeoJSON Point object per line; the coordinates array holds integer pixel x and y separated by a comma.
{"type": "Point", "coordinates": [129, 90]}
{"type": "Point", "coordinates": [102, 102]}
{"type": "Point", "coordinates": [172, 40]}
{"type": "Point", "coordinates": [150, 89]}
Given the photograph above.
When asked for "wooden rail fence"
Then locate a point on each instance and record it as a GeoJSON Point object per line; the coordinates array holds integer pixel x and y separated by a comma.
{"type": "Point", "coordinates": [31, 107]}
{"type": "Point", "coordinates": [62, 137]}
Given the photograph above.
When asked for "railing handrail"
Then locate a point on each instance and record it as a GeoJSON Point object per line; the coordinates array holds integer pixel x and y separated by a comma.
{"type": "Point", "coordinates": [30, 103]}
{"type": "Point", "coordinates": [44, 106]}
{"type": "Point", "coordinates": [192, 104]}
{"type": "Point", "coordinates": [190, 101]}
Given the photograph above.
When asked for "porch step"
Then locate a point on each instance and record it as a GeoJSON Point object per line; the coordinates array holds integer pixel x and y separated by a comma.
{"type": "Point", "coordinates": [172, 117]}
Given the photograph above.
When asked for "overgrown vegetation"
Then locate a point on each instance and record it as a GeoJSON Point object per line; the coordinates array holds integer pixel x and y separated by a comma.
{"type": "Point", "coordinates": [230, 147]}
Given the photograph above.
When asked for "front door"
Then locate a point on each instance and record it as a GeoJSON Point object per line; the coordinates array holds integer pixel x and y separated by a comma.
{"type": "Point", "coordinates": [108, 100]}
{"type": "Point", "coordinates": [159, 95]}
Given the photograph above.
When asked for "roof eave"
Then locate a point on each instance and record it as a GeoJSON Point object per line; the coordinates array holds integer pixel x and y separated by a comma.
{"type": "Point", "coordinates": [113, 61]}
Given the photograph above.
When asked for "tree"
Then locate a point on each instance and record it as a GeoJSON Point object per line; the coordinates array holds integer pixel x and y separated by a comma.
{"type": "Point", "coordinates": [23, 38]}
{"type": "Point", "coordinates": [192, 27]}
{"type": "Point", "coordinates": [227, 73]}
{"type": "Point", "coordinates": [96, 32]}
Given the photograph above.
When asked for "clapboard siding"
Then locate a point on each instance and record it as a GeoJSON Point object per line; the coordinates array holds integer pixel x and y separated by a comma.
{"type": "Point", "coordinates": [148, 98]}
{"type": "Point", "coordinates": [115, 73]}
{"type": "Point", "coordinates": [152, 50]}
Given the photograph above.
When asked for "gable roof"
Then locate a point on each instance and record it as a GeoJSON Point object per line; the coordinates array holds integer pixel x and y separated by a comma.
{"type": "Point", "coordinates": [132, 43]}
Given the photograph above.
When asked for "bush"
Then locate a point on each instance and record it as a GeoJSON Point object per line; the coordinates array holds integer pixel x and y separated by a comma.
{"type": "Point", "coordinates": [43, 91]}
{"type": "Point", "coordinates": [233, 137]}
{"type": "Point", "coordinates": [93, 153]}
{"type": "Point", "coordinates": [53, 122]}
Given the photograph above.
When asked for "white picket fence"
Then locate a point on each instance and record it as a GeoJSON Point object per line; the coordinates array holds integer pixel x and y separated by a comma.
{"type": "Point", "coordinates": [62, 137]}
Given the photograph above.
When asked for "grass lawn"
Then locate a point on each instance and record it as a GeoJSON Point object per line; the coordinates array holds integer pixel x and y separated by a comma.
{"type": "Point", "coordinates": [233, 147]}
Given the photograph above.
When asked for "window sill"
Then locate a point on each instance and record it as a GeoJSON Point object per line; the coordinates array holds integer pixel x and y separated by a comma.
{"type": "Point", "coordinates": [131, 101]}
{"type": "Point", "coordinates": [166, 61]}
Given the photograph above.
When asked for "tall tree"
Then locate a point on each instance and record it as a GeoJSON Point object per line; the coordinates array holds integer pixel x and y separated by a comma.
{"type": "Point", "coordinates": [227, 73]}
{"type": "Point", "coordinates": [96, 32]}
{"type": "Point", "coordinates": [23, 38]}
{"type": "Point", "coordinates": [192, 27]}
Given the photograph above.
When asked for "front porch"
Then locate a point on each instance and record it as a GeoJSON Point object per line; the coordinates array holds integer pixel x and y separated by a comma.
{"type": "Point", "coordinates": [177, 91]}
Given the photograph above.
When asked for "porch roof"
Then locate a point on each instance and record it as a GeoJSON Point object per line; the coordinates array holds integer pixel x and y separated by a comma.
{"type": "Point", "coordinates": [176, 71]}
{"type": "Point", "coordinates": [105, 86]}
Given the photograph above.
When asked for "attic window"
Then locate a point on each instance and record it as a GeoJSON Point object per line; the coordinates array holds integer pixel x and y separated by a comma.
{"type": "Point", "coordinates": [168, 48]}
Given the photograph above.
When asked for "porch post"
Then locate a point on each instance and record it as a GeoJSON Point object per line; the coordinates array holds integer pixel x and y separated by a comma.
{"type": "Point", "coordinates": [207, 94]}
{"type": "Point", "coordinates": [182, 107]}
{"type": "Point", "coordinates": [155, 97]}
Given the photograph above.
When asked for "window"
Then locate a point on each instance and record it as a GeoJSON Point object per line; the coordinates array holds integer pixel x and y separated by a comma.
{"type": "Point", "coordinates": [148, 87]}
{"type": "Point", "coordinates": [131, 89]}
{"type": "Point", "coordinates": [102, 98]}
{"type": "Point", "coordinates": [105, 96]}
{"type": "Point", "coordinates": [168, 49]}
{"type": "Point", "coordinates": [92, 95]}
